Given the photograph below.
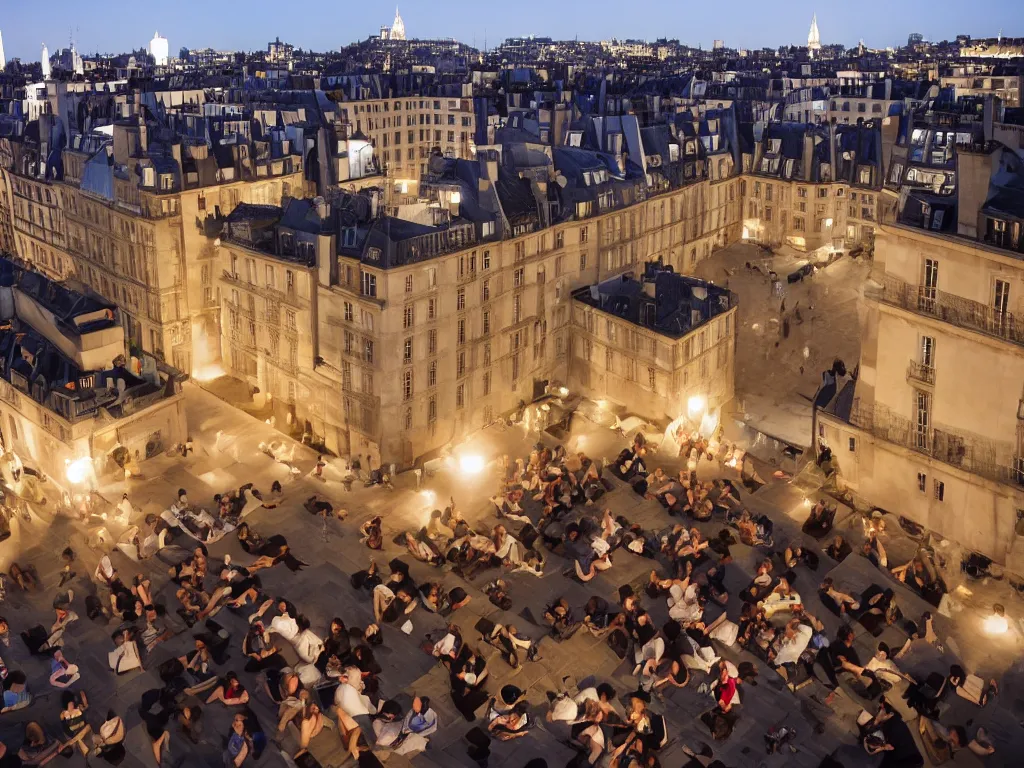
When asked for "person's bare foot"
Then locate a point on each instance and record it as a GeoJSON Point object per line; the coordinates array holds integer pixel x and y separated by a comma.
{"type": "Point", "coordinates": [830, 698]}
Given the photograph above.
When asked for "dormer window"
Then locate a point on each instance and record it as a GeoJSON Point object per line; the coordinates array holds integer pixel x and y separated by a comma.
{"type": "Point", "coordinates": [348, 237]}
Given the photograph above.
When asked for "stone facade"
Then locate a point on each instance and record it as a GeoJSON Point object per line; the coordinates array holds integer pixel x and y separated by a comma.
{"type": "Point", "coordinates": [934, 431]}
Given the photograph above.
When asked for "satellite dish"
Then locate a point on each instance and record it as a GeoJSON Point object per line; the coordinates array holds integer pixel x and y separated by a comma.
{"type": "Point", "coordinates": [561, 181]}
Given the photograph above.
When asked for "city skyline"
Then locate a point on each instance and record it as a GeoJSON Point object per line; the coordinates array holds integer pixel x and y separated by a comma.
{"type": "Point", "coordinates": [28, 25]}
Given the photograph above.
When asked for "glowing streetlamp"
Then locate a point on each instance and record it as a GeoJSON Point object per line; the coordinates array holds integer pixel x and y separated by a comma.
{"type": "Point", "coordinates": [78, 471]}
{"type": "Point", "coordinates": [996, 624]}
{"type": "Point", "coordinates": [695, 405]}
{"type": "Point", "coordinates": [471, 464]}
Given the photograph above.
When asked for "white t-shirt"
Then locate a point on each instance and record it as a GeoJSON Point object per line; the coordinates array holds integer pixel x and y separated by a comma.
{"type": "Point", "coordinates": [285, 626]}
{"type": "Point", "coordinates": [307, 645]}
{"type": "Point", "coordinates": [789, 652]}
{"type": "Point", "coordinates": [353, 703]}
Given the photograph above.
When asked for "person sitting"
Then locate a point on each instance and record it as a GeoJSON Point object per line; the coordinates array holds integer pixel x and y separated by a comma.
{"type": "Point", "coordinates": [820, 520]}
{"type": "Point", "coordinates": [508, 640]}
{"type": "Point", "coordinates": [311, 724]}
{"type": "Point", "coordinates": [108, 743]}
{"type": "Point", "coordinates": [371, 533]}
{"type": "Point", "coordinates": [559, 616]}
{"type": "Point", "coordinates": [229, 692]}
{"type": "Point", "coordinates": [845, 657]}
{"type": "Point", "coordinates": [837, 602]}
{"type": "Point", "coordinates": [970, 687]}
{"type": "Point", "coordinates": [512, 725]}
{"type": "Point", "coordinates": [788, 647]}
{"type": "Point", "coordinates": [878, 609]}
{"type": "Point", "coordinates": [72, 720]}
{"type": "Point", "coordinates": [16, 693]}
{"type": "Point", "coordinates": [259, 649]}
{"type": "Point", "coordinates": [874, 551]}
{"type": "Point", "coordinates": [761, 585]}
{"type": "Point", "coordinates": [885, 668]}
{"type": "Point", "coordinates": [586, 561]}
{"type": "Point", "coordinates": [941, 743]}
{"type": "Point", "coordinates": [797, 554]}
{"type": "Point", "coordinates": [37, 748]}
{"type": "Point", "coordinates": [389, 605]}
{"type": "Point", "coordinates": [62, 672]}
{"type": "Point", "coordinates": [839, 549]}
{"type": "Point", "coordinates": [468, 672]}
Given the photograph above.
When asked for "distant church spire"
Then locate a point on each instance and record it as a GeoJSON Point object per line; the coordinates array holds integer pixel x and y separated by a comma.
{"type": "Point", "coordinates": [814, 37]}
{"type": "Point", "coordinates": [398, 28]}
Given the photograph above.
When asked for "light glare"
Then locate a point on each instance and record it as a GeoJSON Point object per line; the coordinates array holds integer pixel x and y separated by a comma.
{"type": "Point", "coordinates": [471, 464]}
{"type": "Point", "coordinates": [78, 470]}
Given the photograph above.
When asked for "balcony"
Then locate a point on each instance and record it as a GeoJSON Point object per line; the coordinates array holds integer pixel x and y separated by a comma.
{"type": "Point", "coordinates": [949, 308]}
{"type": "Point", "coordinates": [999, 461]}
{"type": "Point", "coordinates": [921, 373]}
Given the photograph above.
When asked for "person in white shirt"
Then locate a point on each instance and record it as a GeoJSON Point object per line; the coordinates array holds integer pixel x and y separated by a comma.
{"type": "Point", "coordinates": [349, 697]}
{"type": "Point", "coordinates": [794, 641]}
{"type": "Point", "coordinates": [683, 603]}
{"type": "Point", "coordinates": [282, 625]}
{"type": "Point", "coordinates": [308, 648]}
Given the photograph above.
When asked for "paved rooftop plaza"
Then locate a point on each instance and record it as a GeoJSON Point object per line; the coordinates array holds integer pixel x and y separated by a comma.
{"type": "Point", "coordinates": [228, 455]}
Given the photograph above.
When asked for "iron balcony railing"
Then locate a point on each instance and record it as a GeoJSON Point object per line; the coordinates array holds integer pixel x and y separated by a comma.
{"type": "Point", "coordinates": [950, 308]}
{"type": "Point", "coordinates": [1001, 461]}
{"type": "Point", "coordinates": [921, 372]}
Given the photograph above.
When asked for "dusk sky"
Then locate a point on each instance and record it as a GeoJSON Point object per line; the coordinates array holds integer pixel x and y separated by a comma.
{"type": "Point", "coordinates": [248, 25]}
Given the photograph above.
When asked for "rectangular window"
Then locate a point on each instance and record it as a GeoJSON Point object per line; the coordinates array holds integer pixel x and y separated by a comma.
{"type": "Point", "coordinates": [369, 284]}
{"type": "Point", "coordinates": [460, 365]}
{"type": "Point", "coordinates": [432, 374]}
{"type": "Point", "coordinates": [922, 431]}
{"type": "Point", "coordinates": [368, 351]}
{"type": "Point", "coordinates": [486, 323]}
{"type": "Point", "coordinates": [487, 260]}
{"type": "Point", "coordinates": [518, 278]}
{"type": "Point", "coordinates": [928, 351]}
{"type": "Point", "coordinates": [487, 353]}
{"type": "Point", "coordinates": [485, 290]}
{"type": "Point", "coordinates": [431, 309]}
{"type": "Point", "coordinates": [460, 396]}
{"type": "Point", "coordinates": [487, 383]}
{"type": "Point", "coordinates": [462, 330]}
{"type": "Point", "coordinates": [940, 490]}
{"type": "Point", "coordinates": [922, 482]}
{"type": "Point", "coordinates": [408, 283]}
{"type": "Point", "coordinates": [407, 385]}
{"type": "Point", "coordinates": [460, 300]}
{"type": "Point", "coordinates": [652, 379]}
{"type": "Point", "coordinates": [432, 409]}
{"type": "Point", "coordinates": [409, 316]}
{"type": "Point", "coordinates": [583, 262]}
{"type": "Point", "coordinates": [584, 235]}
{"type": "Point", "coordinates": [432, 341]}
{"type": "Point", "coordinates": [517, 308]}
{"type": "Point", "coordinates": [407, 351]}
{"type": "Point", "coordinates": [852, 444]}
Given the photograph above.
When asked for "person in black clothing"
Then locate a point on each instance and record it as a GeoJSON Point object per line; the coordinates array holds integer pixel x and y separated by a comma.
{"type": "Point", "coordinates": [845, 657]}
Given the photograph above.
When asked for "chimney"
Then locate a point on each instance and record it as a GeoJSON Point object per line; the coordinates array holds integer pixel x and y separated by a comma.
{"type": "Point", "coordinates": [322, 209]}
{"type": "Point", "coordinates": [973, 173]}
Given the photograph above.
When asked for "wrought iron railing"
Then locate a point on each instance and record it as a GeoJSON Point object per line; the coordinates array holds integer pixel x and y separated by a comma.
{"type": "Point", "coordinates": [921, 372]}
{"type": "Point", "coordinates": [996, 460]}
{"type": "Point", "coordinates": [951, 308]}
